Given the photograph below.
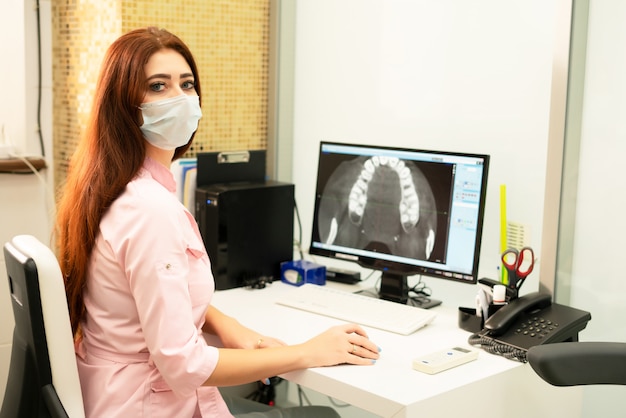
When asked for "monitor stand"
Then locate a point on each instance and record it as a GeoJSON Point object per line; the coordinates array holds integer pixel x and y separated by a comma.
{"type": "Point", "coordinates": [394, 287]}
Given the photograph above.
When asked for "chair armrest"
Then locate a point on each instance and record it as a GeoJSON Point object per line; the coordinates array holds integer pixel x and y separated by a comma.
{"type": "Point", "coordinates": [580, 363]}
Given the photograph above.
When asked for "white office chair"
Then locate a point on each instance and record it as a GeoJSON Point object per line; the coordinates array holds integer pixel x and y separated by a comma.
{"type": "Point", "coordinates": [43, 376]}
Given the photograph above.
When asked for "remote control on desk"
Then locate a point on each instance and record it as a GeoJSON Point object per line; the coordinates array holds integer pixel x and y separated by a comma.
{"type": "Point", "coordinates": [443, 360]}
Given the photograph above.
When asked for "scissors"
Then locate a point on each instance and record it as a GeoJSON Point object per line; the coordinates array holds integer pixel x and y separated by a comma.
{"type": "Point", "coordinates": [519, 264]}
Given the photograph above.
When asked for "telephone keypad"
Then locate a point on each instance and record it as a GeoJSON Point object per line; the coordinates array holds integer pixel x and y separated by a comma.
{"type": "Point", "coordinates": [536, 327]}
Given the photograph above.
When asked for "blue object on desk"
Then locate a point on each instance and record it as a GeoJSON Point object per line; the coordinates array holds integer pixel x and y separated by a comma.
{"type": "Point", "coordinates": [299, 272]}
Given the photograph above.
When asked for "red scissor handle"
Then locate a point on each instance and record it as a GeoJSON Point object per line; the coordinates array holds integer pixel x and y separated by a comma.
{"type": "Point", "coordinates": [509, 259]}
{"type": "Point", "coordinates": [525, 262]}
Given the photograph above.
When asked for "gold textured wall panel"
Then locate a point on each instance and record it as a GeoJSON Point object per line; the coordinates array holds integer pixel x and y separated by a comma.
{"type": "Point", "coordinates": [229, 40]}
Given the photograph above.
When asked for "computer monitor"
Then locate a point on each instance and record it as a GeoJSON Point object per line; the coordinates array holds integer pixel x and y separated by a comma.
{"type": "Point", "coordinates": [401, 211]}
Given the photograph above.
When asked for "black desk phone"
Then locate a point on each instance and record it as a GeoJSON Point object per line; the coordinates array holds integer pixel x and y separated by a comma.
{"type": "Point", "coordinates": [528, 321]}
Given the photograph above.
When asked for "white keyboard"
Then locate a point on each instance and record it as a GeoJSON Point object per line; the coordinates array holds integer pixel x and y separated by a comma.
{"type": "Point", "coordinates": [360, 309]}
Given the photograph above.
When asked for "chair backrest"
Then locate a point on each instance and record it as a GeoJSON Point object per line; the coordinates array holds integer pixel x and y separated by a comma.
{"type": "Point", "coordinates": [43, 376]}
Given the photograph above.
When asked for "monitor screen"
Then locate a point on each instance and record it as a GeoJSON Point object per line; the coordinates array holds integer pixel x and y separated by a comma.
{"type": "Point", "coordinates": [400, 211]}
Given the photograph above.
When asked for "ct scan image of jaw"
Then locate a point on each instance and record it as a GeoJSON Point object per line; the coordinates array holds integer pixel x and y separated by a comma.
{"type": "Point", "coordinates": [382, 204]}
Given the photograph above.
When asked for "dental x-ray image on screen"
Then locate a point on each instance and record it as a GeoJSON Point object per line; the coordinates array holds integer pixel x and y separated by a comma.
{"type": "Point", "coordinates": [384, 204]}
{"type": "Point", "coordinates": [400, 211]}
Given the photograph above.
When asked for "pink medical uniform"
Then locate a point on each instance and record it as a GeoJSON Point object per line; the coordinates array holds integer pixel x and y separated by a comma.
{"type": "Point", "coordinates": [149, 285]}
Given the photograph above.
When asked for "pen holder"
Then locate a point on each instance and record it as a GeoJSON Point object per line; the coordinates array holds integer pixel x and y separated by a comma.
{"type": "Point", "coordinates": [469, 321]}
{"type": "Point", "coordinates": [510, 293]}
{"type": "Point", "coordinates": [492, 296]}
{"type": "Point", "coordinates": [472, 322]}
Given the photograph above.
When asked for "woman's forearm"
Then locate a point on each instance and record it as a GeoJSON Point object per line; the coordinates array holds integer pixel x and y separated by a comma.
{"type": "Point", "coordinates": [236, 366]}
{"type": "Point", "coordinates": [342, 344]}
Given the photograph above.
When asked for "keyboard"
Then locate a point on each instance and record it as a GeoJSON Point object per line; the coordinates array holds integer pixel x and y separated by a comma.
{"type": "Point", "coordinates": [352, 307]}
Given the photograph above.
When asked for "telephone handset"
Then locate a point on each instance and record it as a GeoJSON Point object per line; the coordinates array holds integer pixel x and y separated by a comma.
{"type": "Point", "coordinates": [500, 321]}
{"type": "Point", "coordinates": [528, 321]}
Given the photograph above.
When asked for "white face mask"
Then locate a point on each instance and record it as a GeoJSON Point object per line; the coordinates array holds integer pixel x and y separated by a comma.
{"type": "Point", "coordinates": [169, 123]}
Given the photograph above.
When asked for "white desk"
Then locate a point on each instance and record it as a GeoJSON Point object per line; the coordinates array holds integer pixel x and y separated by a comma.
{"type": "Point", "coordinates": [491, 386]}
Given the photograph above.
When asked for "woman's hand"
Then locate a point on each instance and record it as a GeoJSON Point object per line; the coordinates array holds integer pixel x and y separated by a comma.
{"type": "Point", "coordinates": [342, 344]}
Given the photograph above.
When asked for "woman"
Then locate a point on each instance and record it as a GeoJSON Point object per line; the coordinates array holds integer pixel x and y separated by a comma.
{"type": "Point", "coordinates": [138, 277]}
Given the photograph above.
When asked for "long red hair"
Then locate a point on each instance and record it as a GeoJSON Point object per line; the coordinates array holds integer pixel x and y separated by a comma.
{"type": "Point", "coordinates": [110, 155]}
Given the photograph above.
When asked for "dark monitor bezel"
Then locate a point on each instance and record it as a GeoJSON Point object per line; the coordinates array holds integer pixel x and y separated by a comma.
{"type": "Point", "coordinates": [395, 267]}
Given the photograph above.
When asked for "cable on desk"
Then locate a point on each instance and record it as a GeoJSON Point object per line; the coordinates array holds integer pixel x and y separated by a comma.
{"type": "Point", "coordinates": [422, 292]}
{"type": "Point", "coordinates": [498, 348]}
{"type": "Point", "coordinates": [258, 282]}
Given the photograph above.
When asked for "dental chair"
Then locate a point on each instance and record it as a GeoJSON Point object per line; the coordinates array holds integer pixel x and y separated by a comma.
{"type": "Point", "coordinates": [43, 376]}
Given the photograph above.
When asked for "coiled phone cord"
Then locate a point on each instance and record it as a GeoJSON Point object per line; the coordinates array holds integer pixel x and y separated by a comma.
{"type": "Point", "coordinates": [496, 347]}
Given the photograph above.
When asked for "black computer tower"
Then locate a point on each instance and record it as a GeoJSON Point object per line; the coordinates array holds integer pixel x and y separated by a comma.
{"type": "Point", "coordinates": [247, 229]}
